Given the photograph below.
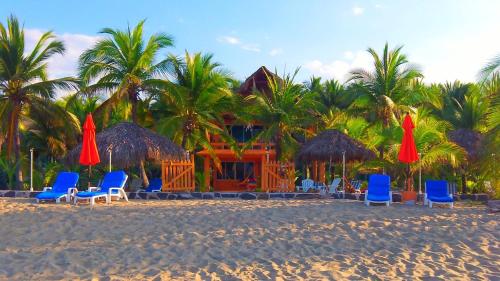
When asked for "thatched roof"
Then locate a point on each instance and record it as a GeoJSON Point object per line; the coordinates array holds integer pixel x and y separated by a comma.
{"type": "Point", "coordinates": [470, 140]}
{"type": "Point", "coordinates": [131, 144]}
{"type": "Point", "coordinates": [330, 144]}
{"type": "Point", "coordinates": [257, 81]}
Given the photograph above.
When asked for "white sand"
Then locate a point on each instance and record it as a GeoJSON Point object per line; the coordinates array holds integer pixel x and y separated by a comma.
{"type": "Point", "coordinates": [246, 240]}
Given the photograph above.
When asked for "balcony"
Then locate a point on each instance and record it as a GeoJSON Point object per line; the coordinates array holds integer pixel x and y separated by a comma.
{"type": "Point", "coordinates": [255, 146]}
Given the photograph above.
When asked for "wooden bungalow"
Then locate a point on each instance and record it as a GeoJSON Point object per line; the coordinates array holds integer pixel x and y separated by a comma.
{"type": "Point", "coordinates": [256, 166]}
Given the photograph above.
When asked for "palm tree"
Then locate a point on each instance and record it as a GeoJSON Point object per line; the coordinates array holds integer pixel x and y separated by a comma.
{"type": "Point", "coordinates": [23, 80]}
{"type": "Point", "coordinates": [489, 69]}
{"type": "Point", "coordinates": [386, 92]}
{"type": "Point", "coordinates": [123, 65]}
{"type": "Point", "coordinates": [432, 143]}
{"type": "Point", "coordinates": [79, 105]}
{"type": "Point", "coordinates": [284, 112]}
{"type": "Point", "coordinates": [191, 107]}
{"type": "Point", "coordinates": [463, 105]}
{"type": "Point", "coordinates": [51, 130]}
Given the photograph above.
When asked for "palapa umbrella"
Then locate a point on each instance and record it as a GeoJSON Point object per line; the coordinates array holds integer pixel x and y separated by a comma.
{"type": "Point", "coordinates": [335, 146]}
{"type": "Point", "coordinates": [408, 150]}
{"type": "Point", "coordinates": [132, 145]}
{"type": "Point", "coordinates": [89, 155]}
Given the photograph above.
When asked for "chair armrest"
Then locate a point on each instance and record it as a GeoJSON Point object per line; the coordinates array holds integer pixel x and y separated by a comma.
{"type": "Point", "coordinates": [390, 195]}
{"type": "Point", "coordinates": [72, 190]}
{"type": "Point", "coordinates": [93, 188]}
{"type": "Point", "coordinates": [47, 188]}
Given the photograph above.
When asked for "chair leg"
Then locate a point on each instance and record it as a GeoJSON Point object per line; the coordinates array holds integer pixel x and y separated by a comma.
{"type": "Point", "coordinates": [451, 205]}
{"type": "Point", "coordinates": [37, 200]}
{"type": "Point", "coordinates": [108, 199]}
{"type": "Point", "coordinates": [92, 199]}
{"type": "Point", "coordinates": [430, 204]}
{"type": "Point", "coordinates": [387, 203]}
{"type": "Point", "coordinates": [58, 200]}
{"type": "Point", "coordinates": [124, 194]}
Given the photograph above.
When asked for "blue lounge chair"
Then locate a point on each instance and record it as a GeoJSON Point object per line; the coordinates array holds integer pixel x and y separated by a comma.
{"type": "Point", "coordinates": [307, 184]}
{"type": "Point", "coordinates": [379, 190]}
{"type": "Point", "coordinates": [356, 184]}
{"type": "Point", "coordinates": [154, 186]}
{"type": "Point", "coordinates": [334, 186]}
{"type": "Point", "coordinates": [63, 187]}
{"type": "Point", "coordinates": [436, 192]}
{"type": "Point", "coordinates": [111, 186]}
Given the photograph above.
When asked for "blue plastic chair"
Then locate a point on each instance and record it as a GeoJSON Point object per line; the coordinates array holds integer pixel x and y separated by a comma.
{"type": "Point", "coordinates": [307, 184]}
{"type": "Point", "coordinates": [111, 186]}
{"type": "Point", "coordinates": [334, 186]}
{"type": "Point", "coordinates": [379, 190]}
{"type": "Point", "coordinates": [154, 185]}
{"type": "Point", "coordinates": [63, 187]}
{"type": "Point", "coordinates": [436, 192]}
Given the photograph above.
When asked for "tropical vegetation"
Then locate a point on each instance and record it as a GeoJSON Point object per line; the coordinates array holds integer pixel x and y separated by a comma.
{"type": "Point", "coordinates": [124, 76]}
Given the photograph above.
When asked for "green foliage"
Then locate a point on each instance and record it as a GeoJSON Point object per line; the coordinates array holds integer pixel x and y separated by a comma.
{"type": "Point", "coordinates": [200, 181]}
{"type": "Point", "coordinates": [124, 65]}
{"type": "Point", "coordinates": [8, 168]}
{"type": "Point", "coordinates": [285, 112]}
{"type": "Point", "coordinates": [190, 108]}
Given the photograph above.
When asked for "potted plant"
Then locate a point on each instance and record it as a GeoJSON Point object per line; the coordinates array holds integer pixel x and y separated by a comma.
{"type": "Point", "coordinates": [409, 195]}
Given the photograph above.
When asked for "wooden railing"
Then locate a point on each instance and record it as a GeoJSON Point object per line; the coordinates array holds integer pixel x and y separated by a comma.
{"type": "Point", "coordinates": [278, 177]}
{"type": "Point", "coordinates": [178, 176]}
{"type": "Point", "coordinates": [255, 146]}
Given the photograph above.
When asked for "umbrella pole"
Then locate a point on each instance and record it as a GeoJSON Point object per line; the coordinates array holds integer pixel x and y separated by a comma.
{"type": "Point", "coordinates": [110, 161]}
{"type": "Point", "coordinates": [343, 173]}
{"type": "Point", "coordinates": [408, 183]}
{"type": "Point", "coordinates": [90, 174]}
{"type": "Point", "coordinates": [419, 173]}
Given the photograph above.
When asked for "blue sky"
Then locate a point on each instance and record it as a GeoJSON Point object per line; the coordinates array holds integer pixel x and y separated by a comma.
{"type": "Point", "coordinates": [448, 39]}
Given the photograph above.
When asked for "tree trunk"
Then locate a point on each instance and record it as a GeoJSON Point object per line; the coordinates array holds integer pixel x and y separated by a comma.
{"type": "Point", "coordinates": [17, 154]}
{"type": "Point", "coordinates": [144, 176]}
{"type": "Point", "coordinates": [184, 140]}
{"type": "Point", "coordinates": [134, 111]}
{"type": "Point", "coordinates": [464, 183]}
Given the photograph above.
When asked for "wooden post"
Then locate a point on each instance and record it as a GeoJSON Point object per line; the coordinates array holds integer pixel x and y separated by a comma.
{"type": "Point", "coordinates": [206, 172]}
{"type": "Point", "coordinates": [263, 176]}
{"type": "Point", "coordinates": [322, 177]}
{"type": "Point", "coordinates": [163, 178]}
{"type": "Point", "coordinates": [315, 171]}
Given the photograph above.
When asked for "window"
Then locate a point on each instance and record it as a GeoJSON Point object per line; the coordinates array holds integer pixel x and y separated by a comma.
{"type": "Point", "coordinates": [236, 171]}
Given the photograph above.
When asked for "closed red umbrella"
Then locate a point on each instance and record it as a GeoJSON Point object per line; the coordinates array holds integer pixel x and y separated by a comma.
{"type": "Point", "coordinates": [89, 155]}
{"type": "Point", "coordinates": [408, 150]}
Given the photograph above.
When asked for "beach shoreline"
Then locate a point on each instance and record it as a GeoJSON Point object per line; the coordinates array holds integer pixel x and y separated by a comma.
{"type": "Point", "coordinates": [245, 240]}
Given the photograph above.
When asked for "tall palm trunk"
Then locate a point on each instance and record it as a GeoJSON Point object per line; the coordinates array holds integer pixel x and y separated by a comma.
{"type": "Point", "coordinates": [17, 154]}
{"type": "Point", "coordinates": [144, 176]}
{"type": "Point", "coordinates": [14, 143]}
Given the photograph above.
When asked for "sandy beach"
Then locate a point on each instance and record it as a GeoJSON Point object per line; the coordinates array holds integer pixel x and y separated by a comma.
{"type": "Point", "coordinates": [246, 240]}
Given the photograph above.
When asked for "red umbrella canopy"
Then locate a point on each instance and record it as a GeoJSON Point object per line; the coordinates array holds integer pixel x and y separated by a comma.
{"type": "Point", "coordinates": [408, 151]}
{"type": "Point", "coordinates": [89, 155]}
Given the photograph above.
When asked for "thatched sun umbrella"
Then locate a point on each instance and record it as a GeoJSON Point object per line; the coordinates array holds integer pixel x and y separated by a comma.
{"type": "Point", "coordinates": [132, 145]}
{"type": "Point", "coordinates": [334, 146]}
{"type": "Point", "coordinates": [469, 140]}
{"type": "Point", "coordinates": [472, 143]}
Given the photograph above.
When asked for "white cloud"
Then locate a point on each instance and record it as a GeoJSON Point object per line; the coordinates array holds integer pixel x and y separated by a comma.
{"type": "Point", "coordinates": [348, 55]}
{"type": "Point", "coordinates": [339, 69]}
{"type": "Point", "coordinates": [252, 47]}
{"type": "Point", "coordinates": [357, 11]}
{"type": "Point", "coordinates": [378, 6]}
{"type": "Point", "coordinates": [275, 52]}
{"type": "Point", "coordinates": [229, 40]}
{"type": "Point", "coordinates": [67, 64]}
{"type": "Point", "coordinates": [455, 57]}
